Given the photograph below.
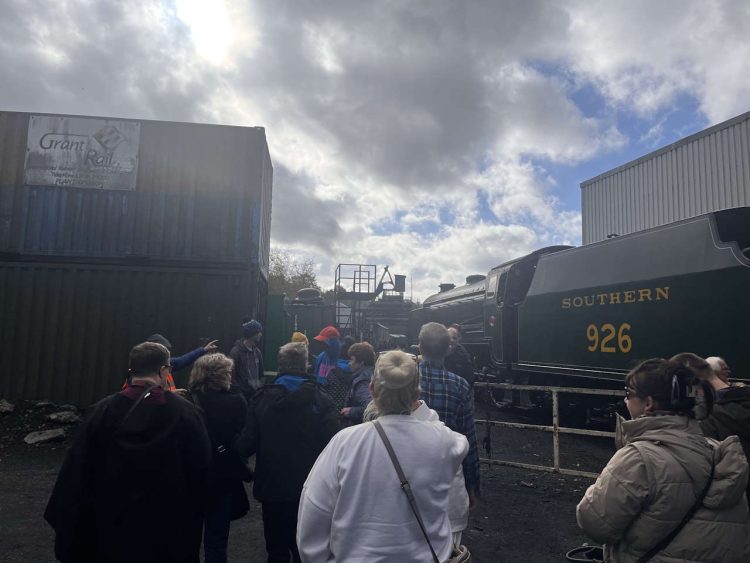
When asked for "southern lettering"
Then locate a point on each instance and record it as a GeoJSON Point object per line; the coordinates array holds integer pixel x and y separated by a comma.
{"type": "Point", "coordinates": [616, 297]}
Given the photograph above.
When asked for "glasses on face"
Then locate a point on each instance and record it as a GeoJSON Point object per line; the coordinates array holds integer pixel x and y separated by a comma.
{"type": "Point", "coordinates": [630, 393]}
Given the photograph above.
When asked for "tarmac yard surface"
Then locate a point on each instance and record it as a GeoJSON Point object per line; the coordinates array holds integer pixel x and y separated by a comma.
{"type": "Point", "coordinates": [524, 515]}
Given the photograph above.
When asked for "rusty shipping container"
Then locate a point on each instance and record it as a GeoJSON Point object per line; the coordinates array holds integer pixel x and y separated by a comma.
{"type": "Point", "coordinates": [112, 229]}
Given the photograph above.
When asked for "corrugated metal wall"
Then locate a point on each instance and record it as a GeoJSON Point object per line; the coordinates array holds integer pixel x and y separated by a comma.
{"type": "Point", "coordinates": [203, 192]}
{"type": "Point", "coordinates": [13, 133]}
{"type": "Point", "coordinates": [87, 273]}
{"type": "Point", "coordinates": [708, 171]}
{"type": "Point", "coordinates": [65, 329]}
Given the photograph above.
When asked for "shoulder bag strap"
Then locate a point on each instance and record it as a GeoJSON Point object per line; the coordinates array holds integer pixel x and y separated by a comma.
{"type": "Point", "coordinates": [135, 404]}
{"type": "Point", "coordinates": [405, 486]}
{"type": "Point", "coordinates": [221, 448]}
{"type": "Point", "coordinates": [197, 401]}
{"type": "Point", "coordinates": [673, 534]}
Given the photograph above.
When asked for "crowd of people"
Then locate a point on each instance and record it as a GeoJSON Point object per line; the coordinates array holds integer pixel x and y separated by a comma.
{"type": "Point", "coordinates": [358, 456]}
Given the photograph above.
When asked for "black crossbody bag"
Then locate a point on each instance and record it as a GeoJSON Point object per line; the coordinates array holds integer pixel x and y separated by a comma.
{"type": "Point", "coordinates": [244, 470]}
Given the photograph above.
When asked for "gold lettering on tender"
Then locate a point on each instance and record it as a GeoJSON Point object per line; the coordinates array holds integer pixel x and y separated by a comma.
{"type": "Point", "coordinates": [616, 297]}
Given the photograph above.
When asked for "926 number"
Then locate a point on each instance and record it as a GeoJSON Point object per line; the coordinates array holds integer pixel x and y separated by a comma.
{"type": "Point", "coordinates": [601, 338]}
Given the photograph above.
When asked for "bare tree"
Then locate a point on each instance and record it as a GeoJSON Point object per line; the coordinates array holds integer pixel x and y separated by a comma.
{"type": "Point", "coordinates": [289, 275]}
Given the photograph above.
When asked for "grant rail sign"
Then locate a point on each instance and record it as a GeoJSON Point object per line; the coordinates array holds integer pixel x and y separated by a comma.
{"type": "Point", "coordinates": [82, 153]}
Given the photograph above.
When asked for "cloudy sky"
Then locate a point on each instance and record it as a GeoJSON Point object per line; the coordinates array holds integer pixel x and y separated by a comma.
{"type": "Point", "coordinates": [440, 137]}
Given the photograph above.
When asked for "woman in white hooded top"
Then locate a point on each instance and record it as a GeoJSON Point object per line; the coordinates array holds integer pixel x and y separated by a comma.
{"type": "Point", "coordinates": [655, 479]}
{"type": "Point", "coordinates": [352, 507]}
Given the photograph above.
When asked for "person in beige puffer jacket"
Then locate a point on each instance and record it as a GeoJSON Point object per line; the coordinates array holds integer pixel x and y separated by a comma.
{"type": "Point", "coordinates": [654, 480]}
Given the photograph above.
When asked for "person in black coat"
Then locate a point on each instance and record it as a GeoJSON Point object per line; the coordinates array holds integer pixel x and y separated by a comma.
{"type": "Point", "coordinates": [289, 423]}
{"type": "Point", "coordinates": [248, 374]}
{"type": "Point", "coordinates": [458, 360]}
{"type": "Point", "coordinates": [224, 414]}
{"type": "Point", "coordinates": [731, 412]}
{"type": "Point", "coordinates": [132, 486]}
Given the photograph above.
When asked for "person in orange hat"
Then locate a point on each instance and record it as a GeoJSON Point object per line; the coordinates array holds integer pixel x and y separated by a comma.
{"type": "Point", "coordinates": [328, 358]}
{"type": "Point", "coordinates": [301, 338]}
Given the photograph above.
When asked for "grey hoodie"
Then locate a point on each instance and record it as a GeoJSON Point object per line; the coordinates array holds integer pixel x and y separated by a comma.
{"type": "Point", "coordinates": [652, 482]}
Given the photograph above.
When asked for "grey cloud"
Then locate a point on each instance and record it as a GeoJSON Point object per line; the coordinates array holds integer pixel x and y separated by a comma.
{"type": "Point", "coordinates": [301, 219]}
{"type": "Point", "coordinates": [417, 94]}
{"type": "Point", "coordinates": [99, 58]}
{"type": "Point", "coordinates": [411, 105]}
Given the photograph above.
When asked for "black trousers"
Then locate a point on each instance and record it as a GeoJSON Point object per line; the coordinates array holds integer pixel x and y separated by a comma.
{"type": "Point", "coordinates": [280, 531]}
{"type": "Point", "coordinates": [216, 527]}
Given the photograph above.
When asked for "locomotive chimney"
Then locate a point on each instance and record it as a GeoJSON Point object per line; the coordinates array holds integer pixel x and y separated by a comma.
{"type": "Point", "coordinates": [446, 286]}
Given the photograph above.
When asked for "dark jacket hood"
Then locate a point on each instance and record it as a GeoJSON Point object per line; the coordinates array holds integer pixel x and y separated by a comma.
{"type": "Point", "coordinates": [289, 394]}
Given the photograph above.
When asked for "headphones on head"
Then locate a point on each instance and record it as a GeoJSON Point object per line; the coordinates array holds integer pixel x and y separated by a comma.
{"type": "Point", "coordinates": [682, 390]}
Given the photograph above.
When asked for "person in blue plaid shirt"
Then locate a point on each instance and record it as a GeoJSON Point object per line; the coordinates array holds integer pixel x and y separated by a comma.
{"type": "Point", "coordinates": [450, 396]}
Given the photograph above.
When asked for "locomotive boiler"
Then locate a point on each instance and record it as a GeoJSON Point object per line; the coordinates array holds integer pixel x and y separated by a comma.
{"type": "Point", "coordinates": [567, 315]}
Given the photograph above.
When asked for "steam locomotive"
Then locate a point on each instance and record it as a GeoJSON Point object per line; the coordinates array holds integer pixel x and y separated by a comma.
{"type": "Point", "coordinates": [569, 315]}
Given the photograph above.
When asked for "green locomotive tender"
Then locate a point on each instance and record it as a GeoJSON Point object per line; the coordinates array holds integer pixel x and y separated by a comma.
{"type": "Point", "coordinates": [562, 314]}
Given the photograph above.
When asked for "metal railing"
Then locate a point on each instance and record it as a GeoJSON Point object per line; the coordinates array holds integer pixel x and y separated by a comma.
{"type": "Point", "coordinates": [555, 429]}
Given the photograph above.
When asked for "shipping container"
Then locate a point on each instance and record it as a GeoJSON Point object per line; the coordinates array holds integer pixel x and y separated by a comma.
{"type": "Point", "coordinates": [66, 328]}
{"type": "Point", "coordinates": [100, 187]}
{"type": "Point", "coordinates": [707, 171]}
{"type": "Point", "coordinates": [114, 229]}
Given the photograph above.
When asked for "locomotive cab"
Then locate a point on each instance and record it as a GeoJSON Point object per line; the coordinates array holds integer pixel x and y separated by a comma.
{"type": "Point", "coordinates": [486, 310]}
{"type": "Point", "coordinates": [506, 288]}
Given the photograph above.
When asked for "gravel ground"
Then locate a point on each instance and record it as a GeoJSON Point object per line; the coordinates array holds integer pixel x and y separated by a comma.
{"type": "Point", "coordinates": [524, 515]}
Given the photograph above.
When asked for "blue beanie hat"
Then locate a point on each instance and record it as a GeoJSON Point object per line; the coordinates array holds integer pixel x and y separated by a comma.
{"type": "Point", "coordinates": [251, 328]}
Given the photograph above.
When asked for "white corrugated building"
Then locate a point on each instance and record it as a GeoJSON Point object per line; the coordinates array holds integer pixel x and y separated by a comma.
{"type": "Point", "coordinates": [704, 172]}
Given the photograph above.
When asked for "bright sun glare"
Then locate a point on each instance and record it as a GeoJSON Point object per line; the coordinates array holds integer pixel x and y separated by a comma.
{"type": "Point", "coordinates": [209, 25]}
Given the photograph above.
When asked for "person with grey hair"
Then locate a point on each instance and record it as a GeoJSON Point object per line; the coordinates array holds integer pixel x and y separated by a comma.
{"type": "Point", "coordinates": [720, 369]}
{"type": "Point", "coordinates": [289, 423]}
{"type": "Point", "coordinates": [352, 506]}
{"type": "Point", "coordinates": [450, 396]}
{"type": "Point", "coordinates": [224, 413]}
{"type": "Point", "coordinates": [731, 413]}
